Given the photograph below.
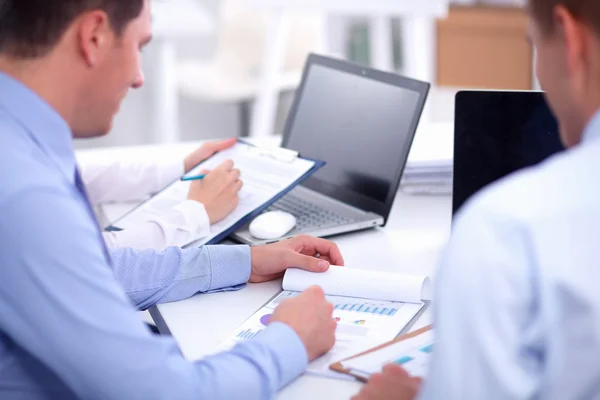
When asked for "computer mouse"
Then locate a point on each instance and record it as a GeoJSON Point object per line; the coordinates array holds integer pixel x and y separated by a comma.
{"type": "Point", "coordinates": [272, 225]}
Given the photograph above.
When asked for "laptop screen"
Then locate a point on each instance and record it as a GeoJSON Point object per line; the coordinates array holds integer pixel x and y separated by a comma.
{"type": "Point", "coordinates": [362, 123]}
{"type": "Point", "coordinates": [496, 134]}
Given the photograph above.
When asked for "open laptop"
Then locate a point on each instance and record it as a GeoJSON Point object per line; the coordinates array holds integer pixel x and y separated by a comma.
{"type": "Point", "coordinates": [362, 123]}
{"type": "Point", "coordinates": [498, 133]}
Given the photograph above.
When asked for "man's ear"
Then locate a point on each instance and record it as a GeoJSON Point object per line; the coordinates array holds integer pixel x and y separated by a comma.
{"type": "Point", "coordinates": [572, 36]}
{"type": "Point", "coordinates": [94, 34]}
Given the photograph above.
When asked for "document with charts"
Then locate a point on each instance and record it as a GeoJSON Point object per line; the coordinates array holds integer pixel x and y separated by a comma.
{"type": "Point", "coordinates": [412, 351]}
{"type": "Point", "coordinates": [268, 174]}
{"type": "Point", "coordinates": [371, 308]}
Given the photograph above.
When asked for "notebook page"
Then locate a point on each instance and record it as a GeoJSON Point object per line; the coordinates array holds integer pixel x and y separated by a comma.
{"type": "Point", "coordinates": [364, 284]}
{"type": "Point", "coordinates": [264, 177]}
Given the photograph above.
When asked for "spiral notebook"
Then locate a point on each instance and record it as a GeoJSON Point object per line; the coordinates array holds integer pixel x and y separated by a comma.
{"type": "Point", "coordinates": [268, 174]}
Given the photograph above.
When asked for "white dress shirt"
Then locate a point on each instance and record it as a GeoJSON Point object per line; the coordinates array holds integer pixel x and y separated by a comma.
{"type": "Point", "coordinates": [126, 181]}
{"type": "Point", "coordinates": [518, 293]}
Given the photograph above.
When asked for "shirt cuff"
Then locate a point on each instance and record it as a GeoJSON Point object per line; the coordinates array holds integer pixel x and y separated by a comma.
{"type": "Point", "coordinates": [196, 218]}
{"type": "Point", "coordinates": [287, 347]}
{"type": "Point", "coordinates": [230, 266]}
{"type": "Point", "coordinates": [167, 172]}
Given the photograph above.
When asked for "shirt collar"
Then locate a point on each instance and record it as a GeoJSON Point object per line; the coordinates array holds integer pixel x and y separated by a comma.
{"type": "Point", "coordinates": [592, 131]}
{"type": "Point", "coordinates": [44, 125]}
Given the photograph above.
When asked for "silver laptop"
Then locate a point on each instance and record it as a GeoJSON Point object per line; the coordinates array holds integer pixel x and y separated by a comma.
{"type": "Point", "coordinates": [362, 123]}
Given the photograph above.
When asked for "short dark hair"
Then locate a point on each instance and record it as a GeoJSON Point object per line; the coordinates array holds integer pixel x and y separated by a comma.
{"type": "Point", "coordinates": [587, 11]}
{"type": "Point", "coordinates": [31, 28]}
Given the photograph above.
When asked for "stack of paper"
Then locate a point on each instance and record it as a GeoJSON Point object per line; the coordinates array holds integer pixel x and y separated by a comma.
{"type": "Point", "coordinates": [429, 169]}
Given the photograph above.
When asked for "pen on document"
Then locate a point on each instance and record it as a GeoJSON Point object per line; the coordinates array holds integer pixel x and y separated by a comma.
{"type": "Point", "coordinates": [192, 178]}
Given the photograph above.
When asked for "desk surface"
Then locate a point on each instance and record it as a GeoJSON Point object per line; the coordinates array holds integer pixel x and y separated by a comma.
{"type": "Point", "coordinates": [410, 243]}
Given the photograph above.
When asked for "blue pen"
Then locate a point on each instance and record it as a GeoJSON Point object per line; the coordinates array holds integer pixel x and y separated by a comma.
{"type": "Point", "coordinates": [193, 178]}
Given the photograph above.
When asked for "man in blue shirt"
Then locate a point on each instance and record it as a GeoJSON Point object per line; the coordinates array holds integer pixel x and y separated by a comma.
{"type": "Point", "coordinates": [68, 328]}
{"type": "Point", "coordinates": [517, 299]}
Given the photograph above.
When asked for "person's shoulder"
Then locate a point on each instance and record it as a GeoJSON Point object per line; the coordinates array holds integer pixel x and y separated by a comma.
{"type": "Point", "coordinates": [24, 166]}
{"type": "Point", "coordinates": [14, 140]}
{"type": "Point", "coordinates": [11, 132]}
{"type": "Point", "coordinates": [494, 229]}
{"type": "Point", "coordinates": [562, 184]}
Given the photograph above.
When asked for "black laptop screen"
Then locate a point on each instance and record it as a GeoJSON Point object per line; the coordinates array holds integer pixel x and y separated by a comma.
{"type": "Point", "coordinates": [496, 134]}
{"type": "Point", "coordinates": [361, 125]}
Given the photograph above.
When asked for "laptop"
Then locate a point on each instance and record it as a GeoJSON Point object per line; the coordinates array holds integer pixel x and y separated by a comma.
{"type": "Point", "coordinates": [361, 122]}
{"type": "Point", "coordinates": [498, 133]}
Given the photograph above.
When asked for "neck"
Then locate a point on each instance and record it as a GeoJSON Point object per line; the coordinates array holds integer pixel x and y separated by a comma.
{"type": "Point", "coordinates": [47, 79]}
{"type": "Point", "coordinates": [592, 102]}
{"type": "Point", "coordinates": [591, 114]}
{"type": "Point", "coordinates": [592, 107]}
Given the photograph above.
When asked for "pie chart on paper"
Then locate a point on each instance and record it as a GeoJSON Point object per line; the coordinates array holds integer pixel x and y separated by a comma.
{"type": "Point", "coordinates": [265, 319]}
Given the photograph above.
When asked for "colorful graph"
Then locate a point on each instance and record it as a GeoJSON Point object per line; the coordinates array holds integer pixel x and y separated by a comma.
{"type": "Point", "coordinates": [406, 359]}
{"type": "Point", "coordinates": [247, 334]}
{"type": "Point", "coordinates": [427, 349]}
{"type": "Point", "coordinates": [367, 308]}
{"type": "Point", "coordinates": [265, 319]}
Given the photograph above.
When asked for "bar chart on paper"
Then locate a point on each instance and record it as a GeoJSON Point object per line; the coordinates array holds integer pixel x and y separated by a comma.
{"type": "Point", "coordinates": [412, 353]}
{"type": "Point", "coordinates": [416, 362]}
{"type": "Point", "coordinates": [369, 308]}
{"type": "Point", "coordinates": [247, 334]}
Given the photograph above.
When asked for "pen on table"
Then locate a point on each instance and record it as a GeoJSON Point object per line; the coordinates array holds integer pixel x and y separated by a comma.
{"type": "Point", "coordinates": [193, 178]}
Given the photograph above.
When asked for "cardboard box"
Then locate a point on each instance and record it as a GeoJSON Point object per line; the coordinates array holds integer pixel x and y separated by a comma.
{"type": "Point", "coordinates": [485, 47]}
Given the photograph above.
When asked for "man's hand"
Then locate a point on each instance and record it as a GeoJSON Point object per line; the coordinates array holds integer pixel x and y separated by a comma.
{"type": "Point", "coordinates": [206, 151]}
{"type": "Point", "coordinates": [311, 317]}
{"type": "Point", "coordinates": [393, 383]}
{"type": "Point", "coordinates": [218, 191]}
{"type": "Point", "coordinates": [306, 252]}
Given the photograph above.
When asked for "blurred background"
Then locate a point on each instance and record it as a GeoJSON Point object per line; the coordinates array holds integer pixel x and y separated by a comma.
{"type": "Point", "coordinates": [214, 63]}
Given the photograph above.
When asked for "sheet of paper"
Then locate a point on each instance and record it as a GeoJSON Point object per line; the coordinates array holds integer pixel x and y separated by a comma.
{"type": "Point", "coordinates": [362, 324]}
{"type": "Point", "coordinates": [361, 283]}
{"type": "Point", "coordinates": [264, 177]}
{"type": "Point", "coordinates": [413, 354]}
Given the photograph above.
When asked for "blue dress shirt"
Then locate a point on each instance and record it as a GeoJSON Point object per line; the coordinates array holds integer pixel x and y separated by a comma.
{"type": "Point", "coordinates": [518, 299]}
{"type": "Point", "coordinates": [68, 322]}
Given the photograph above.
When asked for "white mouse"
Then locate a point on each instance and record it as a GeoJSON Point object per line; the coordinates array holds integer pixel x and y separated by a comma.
{"type": "Point", "coordinates": [272, 225]}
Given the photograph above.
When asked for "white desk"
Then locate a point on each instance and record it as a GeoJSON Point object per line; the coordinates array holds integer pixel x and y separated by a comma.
{"type": "Point", "coordinates": [418, 35]}
{"type": "Point", "coordinates": [417, 229]}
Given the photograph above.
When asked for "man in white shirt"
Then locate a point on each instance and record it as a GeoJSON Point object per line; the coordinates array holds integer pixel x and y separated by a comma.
{"type": "Point", "coordinates": [517, 300]}
{"type": "Point", "coordinates": [209, 200]}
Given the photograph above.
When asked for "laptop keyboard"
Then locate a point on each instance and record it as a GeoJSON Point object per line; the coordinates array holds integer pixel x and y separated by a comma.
{"type": "Point", "coordinates": [309, 216]}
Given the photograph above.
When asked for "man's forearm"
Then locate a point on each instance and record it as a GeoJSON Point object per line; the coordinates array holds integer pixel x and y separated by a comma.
{"type": "Point", "coordinates": [254, 369]}
{"type": "Point", "coordinates": [127, 180]}
{"type": "Point", "coordinates": [149, 277]}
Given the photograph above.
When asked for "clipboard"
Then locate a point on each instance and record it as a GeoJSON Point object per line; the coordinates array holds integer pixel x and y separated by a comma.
{"type": "Point", "coordinates": [339, 367]}
{"type": "Point", "coordinates": [280, 154]}
{"type": "Point", "coordinates": [284, 155]}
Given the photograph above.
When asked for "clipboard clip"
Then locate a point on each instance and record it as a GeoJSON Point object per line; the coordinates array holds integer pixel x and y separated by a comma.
{"type": "Point", "coordinates": [279, 154]}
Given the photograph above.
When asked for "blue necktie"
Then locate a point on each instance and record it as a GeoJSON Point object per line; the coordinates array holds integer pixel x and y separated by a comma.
{"type": "Point", "coordinates": [81, 189]}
